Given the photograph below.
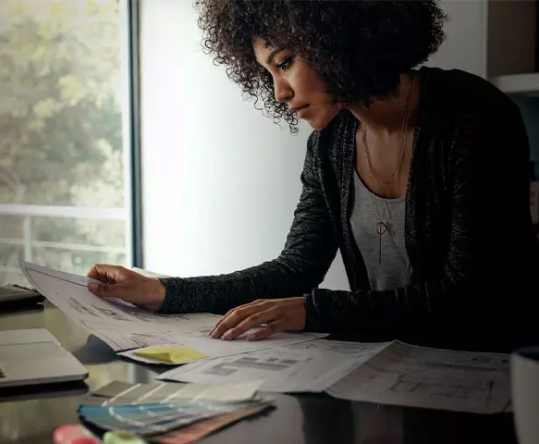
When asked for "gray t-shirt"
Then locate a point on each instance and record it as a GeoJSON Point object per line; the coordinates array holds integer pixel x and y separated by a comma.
{"type": "Point", "coordinates": [394, 270]}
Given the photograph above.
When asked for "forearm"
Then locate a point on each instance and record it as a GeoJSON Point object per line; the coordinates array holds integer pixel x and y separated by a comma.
{"type": "Point", "coordinates": [281, 278]}
{"type": "Point", "coordinates": [414, 308]}
{"type": "Point", "coordinates": [439, 306]}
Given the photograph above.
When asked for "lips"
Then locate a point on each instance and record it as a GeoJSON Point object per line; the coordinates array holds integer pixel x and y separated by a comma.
{"type": "Point", "coordinates": [300, 110]}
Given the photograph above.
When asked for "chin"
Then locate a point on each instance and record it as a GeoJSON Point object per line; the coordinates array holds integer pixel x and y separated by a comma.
{"type": "Point", "coordinates": [319, 120]}
{"type": "Point", "coordinates": [319, 123]}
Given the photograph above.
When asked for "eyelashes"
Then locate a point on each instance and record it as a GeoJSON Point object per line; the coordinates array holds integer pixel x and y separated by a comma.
{"type": "Point", "coordinates": [285, 64]}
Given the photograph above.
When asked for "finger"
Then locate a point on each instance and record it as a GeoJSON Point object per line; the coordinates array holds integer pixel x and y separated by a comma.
{"type": "Point", "coordinates": [108, 273]}
{"type": "Point", "coordinates": [220, 321]}
{"type": "Point", "coordinates": [266, 332]}
{"type": "Point", "coordinates": [229, 312]}
{"type": "Point", "coordinates": [233, 310]}
{"type": "Point", "coordinates": [235, 318]}
{"type": "Point", "coordinates": [98, 272]}
{"type": "Point", "coordinates": [252, 321]}
{"type": "Point", "coordinates": [109, 290]}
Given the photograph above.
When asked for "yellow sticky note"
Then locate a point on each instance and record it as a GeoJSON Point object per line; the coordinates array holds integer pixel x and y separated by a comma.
{"type": "Point", "coordinates": [173, 355]}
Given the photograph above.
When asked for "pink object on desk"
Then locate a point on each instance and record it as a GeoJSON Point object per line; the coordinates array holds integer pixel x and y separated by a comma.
{"type": "Point", "coordinates": [74, 434]}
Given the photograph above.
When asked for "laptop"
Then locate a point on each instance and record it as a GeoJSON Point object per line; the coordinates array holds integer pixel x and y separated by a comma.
{"type": "Point", "coordinates": [35, 356]}
{"type": "Point", "coordinates": [11, 294]}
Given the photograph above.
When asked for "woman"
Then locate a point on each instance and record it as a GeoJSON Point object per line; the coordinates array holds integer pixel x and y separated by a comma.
{"type": "Point", "coordinates": [419, 177]}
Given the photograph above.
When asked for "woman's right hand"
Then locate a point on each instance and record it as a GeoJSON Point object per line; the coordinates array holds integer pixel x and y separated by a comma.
{"type": "Point", "coordinates": [119, 282]}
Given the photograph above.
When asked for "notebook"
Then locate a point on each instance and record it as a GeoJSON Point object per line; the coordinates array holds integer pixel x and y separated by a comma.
{"type": "Point", "coordinates": [35, 356]}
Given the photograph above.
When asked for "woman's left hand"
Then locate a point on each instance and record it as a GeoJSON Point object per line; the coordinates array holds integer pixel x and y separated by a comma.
{"type": "Point", "coordinates": [277, 314]}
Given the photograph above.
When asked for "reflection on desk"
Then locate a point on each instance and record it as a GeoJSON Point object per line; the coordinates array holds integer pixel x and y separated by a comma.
{"type": "Point", "coordinates": [305, 418]}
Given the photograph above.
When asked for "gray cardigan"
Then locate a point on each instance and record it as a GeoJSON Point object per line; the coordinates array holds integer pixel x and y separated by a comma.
{"type": "Point", "coordinates": [468, 229]}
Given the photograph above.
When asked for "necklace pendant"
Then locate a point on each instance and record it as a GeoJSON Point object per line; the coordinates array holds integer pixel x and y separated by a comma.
{"type": "Point", "coordinates": [381, 228]}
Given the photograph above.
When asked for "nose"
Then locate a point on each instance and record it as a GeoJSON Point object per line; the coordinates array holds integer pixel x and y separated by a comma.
{"type": "Point", "coordinates": [282, 90]}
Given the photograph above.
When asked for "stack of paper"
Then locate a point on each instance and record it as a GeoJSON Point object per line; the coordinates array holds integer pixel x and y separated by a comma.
{"type": "Point", "coordinates": [388, 373]}
{"type": "Point", "coordinates": [123, 326]}
{"type": "Point", "coordinates": [158, 409]}
{"type": "Point", "coordinates": [307, 367]}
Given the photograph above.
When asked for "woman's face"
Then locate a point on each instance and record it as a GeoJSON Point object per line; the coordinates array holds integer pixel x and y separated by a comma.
{"type": "Point", "coordinates": [297, 84]}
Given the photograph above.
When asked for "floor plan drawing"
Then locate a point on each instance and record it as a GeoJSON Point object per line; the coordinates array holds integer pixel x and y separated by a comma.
{"type": "Point", "coordinates": [408, 375]}
{"type": "Point", "coordinates": [271, 364]}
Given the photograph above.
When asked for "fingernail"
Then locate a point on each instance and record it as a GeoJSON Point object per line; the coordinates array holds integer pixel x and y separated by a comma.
{"type": "Point", "coordinates": [92, 287]}
{"type": "Point", "coordinates": [251, 337]}
{"type": "Point", "coordinates": [228, 336]}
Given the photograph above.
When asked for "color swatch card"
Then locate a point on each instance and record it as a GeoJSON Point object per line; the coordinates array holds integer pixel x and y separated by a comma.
{"type": "Point", "coordinates": [151, 419]}
{"type": "Point", "coordinates": [154, 409]}
{"type": "Point", "coordinates": [122, 393]}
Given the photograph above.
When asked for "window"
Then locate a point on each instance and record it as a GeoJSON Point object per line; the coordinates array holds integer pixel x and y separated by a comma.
{"type": "Point", "coordinates": [64, 153]}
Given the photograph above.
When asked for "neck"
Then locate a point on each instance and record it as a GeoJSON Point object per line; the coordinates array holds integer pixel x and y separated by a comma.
{"type": "Point", "coordinates": [384, 117]}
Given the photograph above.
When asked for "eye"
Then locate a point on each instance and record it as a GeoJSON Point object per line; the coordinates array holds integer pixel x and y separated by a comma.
{"type": "Point", "coordinates": [285, 64]}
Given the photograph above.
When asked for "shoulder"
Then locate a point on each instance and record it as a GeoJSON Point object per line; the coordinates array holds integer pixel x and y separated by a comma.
{"type": "Point", "coordinates": [462, 98]}
{"type": "Point", "coordinates": [476, 123]}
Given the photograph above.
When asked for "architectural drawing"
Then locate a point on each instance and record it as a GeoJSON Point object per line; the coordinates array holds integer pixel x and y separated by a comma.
{"type": "Point", "coordinates": [111, 314]}
{"type": "Point", "coordinates": [80, 308]}
{"type": "Point", "coordinates": [386, 373]}
{"type": "Point", "coordinates": [283, 368]}
{"type": "Point", "coordinates": [140, 340]}
{"type": "Point", "coordinates": [438, 379]}
{"type": "Point", "coordinates": [124, 326]}
{"type": "Point", "coordinates": [271, 364]}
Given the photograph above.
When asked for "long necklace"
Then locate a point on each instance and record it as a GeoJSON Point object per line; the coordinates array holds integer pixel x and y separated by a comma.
{"type": "Point", "coordinates": [398, 158]}
{"type": "Point", "coordinates": [381, 226]}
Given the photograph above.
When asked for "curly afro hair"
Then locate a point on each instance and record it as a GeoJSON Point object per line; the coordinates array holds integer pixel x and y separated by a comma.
{"type": "Point", "coordinates": [359, 47]}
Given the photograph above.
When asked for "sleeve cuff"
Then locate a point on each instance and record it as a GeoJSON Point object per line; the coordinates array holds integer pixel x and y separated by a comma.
{"type": "Point", "coordinates": [313, 321]}
{"type": "Point", "coordinates": [172, 302]}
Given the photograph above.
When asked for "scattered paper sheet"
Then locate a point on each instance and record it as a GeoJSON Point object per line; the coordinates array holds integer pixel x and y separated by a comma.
{"type": "Point", "coordinates": [169, 355]}
{"type": "Point", "coordinates": [306, 367]}
{"type": "Point", "coordinates": [387, 373]}
{"type": "Point", "coordinates": [123, 326]}
{"type": "Point", "coordinates": [413, 376]}
{"type": "Point", "coordinates": [393, 373]}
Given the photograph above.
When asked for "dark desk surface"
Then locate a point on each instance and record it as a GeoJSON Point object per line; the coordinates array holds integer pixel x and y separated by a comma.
{"type": "Point", "coordinates": [32, 415]}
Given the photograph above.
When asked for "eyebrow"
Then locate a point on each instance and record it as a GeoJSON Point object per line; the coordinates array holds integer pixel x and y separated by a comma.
{"type": "Point", "coordinates": [273, 54]}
